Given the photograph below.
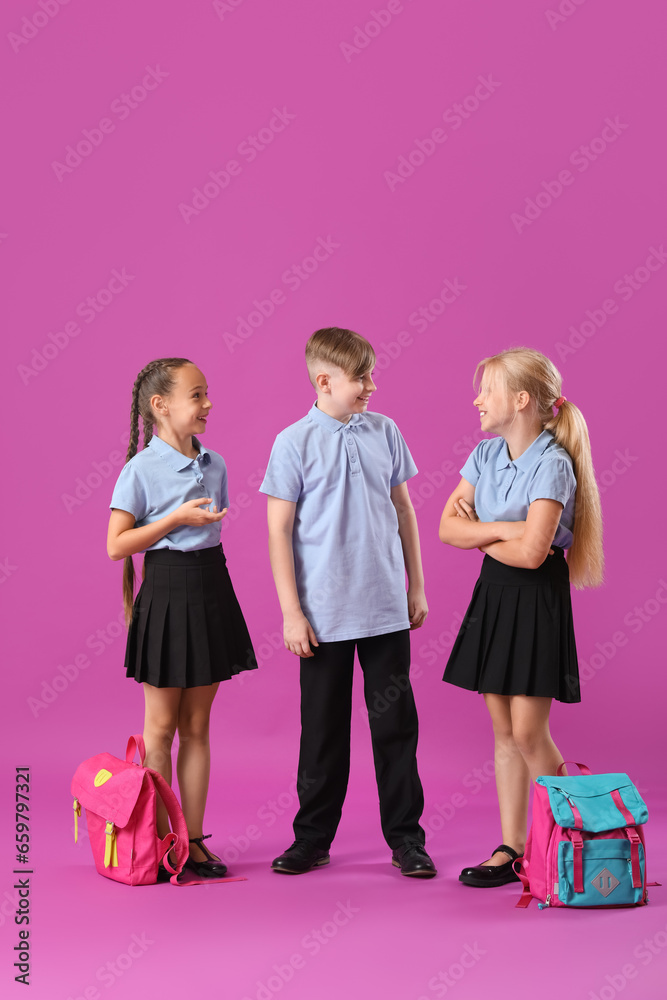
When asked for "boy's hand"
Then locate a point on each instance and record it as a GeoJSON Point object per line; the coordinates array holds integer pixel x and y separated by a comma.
{"type": "Point", "coordinates": [298, 635]}
{"type": "Point", "coordinates": [417, 607]}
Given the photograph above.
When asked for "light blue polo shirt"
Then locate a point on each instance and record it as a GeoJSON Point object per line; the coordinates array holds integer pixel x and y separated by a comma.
{"type": "Point", "coordinates": [348, 558]}
{"type": "Point", "coordinates": [504, 490]}
{"type": "Point", "coordinates": [159, 479]}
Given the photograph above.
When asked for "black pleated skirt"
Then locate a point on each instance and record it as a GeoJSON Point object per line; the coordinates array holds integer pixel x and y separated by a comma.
{"type": "Point", "coordinates": [187, 626]}
{"type": "Point", "coordinates": [517, 636]}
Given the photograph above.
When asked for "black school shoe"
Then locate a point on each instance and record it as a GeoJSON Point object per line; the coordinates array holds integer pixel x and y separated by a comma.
{"type": "Point", "coordinates": [300, 858]}
{"type": "Point", "coordinates": [413, 860]}
{"type": "Point", "coordinates": [490, 876]}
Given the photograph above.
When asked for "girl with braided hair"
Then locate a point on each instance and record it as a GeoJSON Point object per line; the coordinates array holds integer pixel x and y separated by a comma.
{"type": "Point", "coordinates": [186, 629]}
{"type": "Point", "coordinates": [525, 496]}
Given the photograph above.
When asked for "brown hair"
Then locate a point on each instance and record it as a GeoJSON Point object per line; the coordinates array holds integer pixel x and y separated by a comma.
{"type": "Point", "coordinates": [343, 348]}
{"type": "Point", "coordinates": [523, 369]}
{"type": "Point", "coordinates": [157, 378]}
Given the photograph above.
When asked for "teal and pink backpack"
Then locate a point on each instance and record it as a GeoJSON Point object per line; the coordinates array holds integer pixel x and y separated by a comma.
{"type": "Point", "coordinates": [586, 844]}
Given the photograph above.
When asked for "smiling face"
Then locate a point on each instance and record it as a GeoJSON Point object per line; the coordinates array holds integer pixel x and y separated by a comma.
{"type": "Point", "coordinates": [184, 411]}
{"type": "Point", "coordinates": [340, 395]}
{"type": "Point", "coordinates": [496, 410]}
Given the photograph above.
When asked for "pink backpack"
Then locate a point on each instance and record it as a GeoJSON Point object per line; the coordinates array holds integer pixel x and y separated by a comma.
{"type": "Point", "coordinates": [586, 842]}
{"type": "Point", "coordinates": [120, 800]}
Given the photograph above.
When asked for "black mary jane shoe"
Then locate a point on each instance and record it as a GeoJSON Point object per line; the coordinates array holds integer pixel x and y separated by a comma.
{"type": "Point", "coordinates": [212, 867]}
{"type": "Point", "coordinates": [490, 876]}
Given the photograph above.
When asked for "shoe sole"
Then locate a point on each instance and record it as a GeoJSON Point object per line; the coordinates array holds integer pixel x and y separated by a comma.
{"type": "Point", "coordinates": [302, 871]}
{"type": "Point", "coordinates": [486, 884]}
{"type": "Point", "coordinates": [416, 874]}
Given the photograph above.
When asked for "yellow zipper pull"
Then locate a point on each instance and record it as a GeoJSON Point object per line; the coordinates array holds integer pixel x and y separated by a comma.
{"type": "Point", "coordinates": [110, 850]}
{"type": "Point", "coordinates": [77, 813]}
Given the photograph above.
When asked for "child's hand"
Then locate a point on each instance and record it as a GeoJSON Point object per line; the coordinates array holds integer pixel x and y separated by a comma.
{"type": "Point", "coordinates": [417, 607]}
{"type": "Point", "coordinates": [192, 514]}
{"type": "Point", "coordinates": [463, 509]}
{"type": "Point", "coordinates": [298, 635]}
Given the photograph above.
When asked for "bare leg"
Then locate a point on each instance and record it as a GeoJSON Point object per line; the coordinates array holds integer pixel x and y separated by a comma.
{"type": "Point", "coordinates": [160, 722]}
{"type": "Point", "coordinates": [512, 777]}
{"type": "Point", "coordinates": [193, 764]}
{"type": "Point", "coordinates": [530, 726]}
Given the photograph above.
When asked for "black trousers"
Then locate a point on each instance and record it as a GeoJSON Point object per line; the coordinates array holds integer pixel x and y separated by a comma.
{"type": "Point", "coordinates": [324, 760]}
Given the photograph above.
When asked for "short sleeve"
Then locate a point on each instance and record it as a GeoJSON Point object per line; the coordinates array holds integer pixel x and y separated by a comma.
{"type": "Point", "coordinates": [475, 462]}
{"type": "Point", "coordinates": [553, 480]}
{"type": "Point", "coordinates": [284, 476]}
{"type": "Point", "coordinates": [130, 492]}
{"type": "Point", "coordinates": [402, 463]}
{"type": "Point", "coordinates": [224, 487]}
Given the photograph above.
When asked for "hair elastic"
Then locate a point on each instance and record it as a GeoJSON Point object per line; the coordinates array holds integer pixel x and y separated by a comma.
{"type": "Point", "coordinates": [559, 402]}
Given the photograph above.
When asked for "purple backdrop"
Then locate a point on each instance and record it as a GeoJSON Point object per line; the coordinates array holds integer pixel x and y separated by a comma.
{"type": "Point", "coordinates": [218, 180]}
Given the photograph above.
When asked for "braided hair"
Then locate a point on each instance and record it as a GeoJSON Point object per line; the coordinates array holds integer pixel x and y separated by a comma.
{"type": "Point", "coordinates": [156, 379]}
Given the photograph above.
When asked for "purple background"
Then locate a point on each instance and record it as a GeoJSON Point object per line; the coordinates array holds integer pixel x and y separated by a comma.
{"type": "Point", "coordinates": [553, 280]}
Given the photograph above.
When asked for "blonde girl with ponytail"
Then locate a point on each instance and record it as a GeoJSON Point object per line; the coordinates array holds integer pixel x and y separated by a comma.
{"type": "Point", "coordinates": [186, 630]}
{"type": "Point", "coordinates": [525, 496]}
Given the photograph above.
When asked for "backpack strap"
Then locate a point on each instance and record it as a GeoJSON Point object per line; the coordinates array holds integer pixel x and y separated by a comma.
{"type": "Point", "coordinates": [635, 841]}
{"type": "Point", "coordinates": [622, 808]}
{"type": "Point", "coordinates": [577, 850]}
{"type": "Point", "coordinates": [135, 743]}
{"type": "Point", "coordinates": [526, 896]}
{"type": "Point", "coordinates": [178, 840]}
{"type": "Point", "coordinates": [582, 767]}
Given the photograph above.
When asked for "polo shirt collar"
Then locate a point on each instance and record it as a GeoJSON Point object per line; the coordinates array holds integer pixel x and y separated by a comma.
{"type": "Point", "coordinates": [330, 423]}
{"type": "Point", "coordinates": [176, 460]}
{"type": "Point", "coordinates": [527, 459]}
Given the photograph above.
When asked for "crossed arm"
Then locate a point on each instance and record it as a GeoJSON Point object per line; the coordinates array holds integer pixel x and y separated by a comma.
{"type": "Point", "coordinates": [525, 544]}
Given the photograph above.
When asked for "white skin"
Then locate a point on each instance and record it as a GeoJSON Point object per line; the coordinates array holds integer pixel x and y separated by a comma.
{"type": "Point", "coordinates": [339, 395]}
{"type": "Point", "coordinates": [523, 745]}
{"type": "Point", "coordinates": [178, 416]}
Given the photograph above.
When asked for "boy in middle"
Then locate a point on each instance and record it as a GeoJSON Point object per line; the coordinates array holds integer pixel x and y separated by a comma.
{"type": "Point", "coordinates": [342, 533]}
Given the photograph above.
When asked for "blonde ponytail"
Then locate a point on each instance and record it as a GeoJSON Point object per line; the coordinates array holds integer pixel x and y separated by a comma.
{"type": "Point", "coordinates": [526, 370]}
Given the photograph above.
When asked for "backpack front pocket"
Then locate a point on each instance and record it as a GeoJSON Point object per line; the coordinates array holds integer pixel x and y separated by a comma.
{"type": "Point", "coordinates": [606, 874]}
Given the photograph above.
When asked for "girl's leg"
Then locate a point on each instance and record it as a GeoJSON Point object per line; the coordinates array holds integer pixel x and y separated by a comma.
{"type": "Point", "coordinates": [193, 763]}
{"type": "Point", "coordinates": [530, 726]}
{"type": "Point", "coordinates": [160, 722]}
{"type": "Point", "coordinates": [512, 777]}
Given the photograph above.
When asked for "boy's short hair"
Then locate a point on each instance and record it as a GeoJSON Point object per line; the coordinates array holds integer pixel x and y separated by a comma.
{"type": "Point", "coordinates": [343, 348]}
